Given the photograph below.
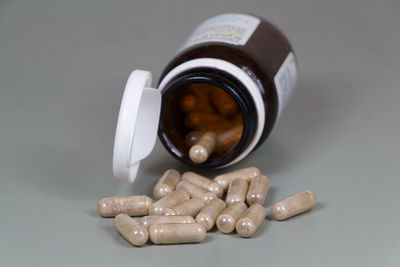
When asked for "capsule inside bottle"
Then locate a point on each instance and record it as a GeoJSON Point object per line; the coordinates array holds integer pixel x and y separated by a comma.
{"type": "Point", "coordinates": [194, 109]}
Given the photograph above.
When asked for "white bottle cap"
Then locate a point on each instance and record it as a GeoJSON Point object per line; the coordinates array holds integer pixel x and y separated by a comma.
{"type": "Point", "coordinates": [137, 126]}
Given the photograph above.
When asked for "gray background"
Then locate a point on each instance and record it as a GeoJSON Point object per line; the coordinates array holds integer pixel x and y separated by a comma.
{"type": "Point", "coordinates": [63, 67]}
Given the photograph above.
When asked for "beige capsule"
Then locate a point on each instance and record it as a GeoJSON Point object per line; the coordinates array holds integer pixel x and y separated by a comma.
{"type": "Point", "coordinates": [196, 191]}
{"type": "Point", "coordinates": [190, 207]}
{"type": "Point", "coordinates": [237, 191]}
{"type": "Point", "coordinates": [167, 183]}
{"type": "Point", "coordinates": [250, 220]}
{"type": "Point", "coordinates": [209, 213]}
{"type": "Point", "coordinates": [216, 127]}
{"type": "Point", "coordinates": [226, 221]}
{"type": "Point", "coordinates": [294, 205]}
{"type": "Point", "coordinates": [172, 199]}
{"type": "Point", "coordinates": [132, 205]}
{"type": "Point", "coordinates": [135, 233]}
{"type": "Point", "coordinates": [238, 119]}
{"type": "Point", "coordinates": [223, 102]}
{"type": "Point", "coordinates": [200, 120]}
{"type": "Point", "coordinates": [229, 139]}
{"type": "Point", "coordinates": [245, 173]}
{"type": "Point", "coordinates": [176, 233]}
{"type": "Point", "coordinates": [201, 91]}
{"type": "Point", "coordinates": [148, 221]}
{"type": "Point", "coordinates": [203, 148]}
{"type": "Point", "coordinates": [258, 190]}
{"type": "Point", "coordinates": [204, 182]}
{"type": "Point", "coordinates": [192, 137]}
{"type": "Point", "coordinates": [188, 103]}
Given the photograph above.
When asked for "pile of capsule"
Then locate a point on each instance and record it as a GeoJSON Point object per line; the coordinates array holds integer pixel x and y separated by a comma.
{"type": "Point", "coordinates": [188, 206]}
{"type": "Point", "coordinates": [215, 121]}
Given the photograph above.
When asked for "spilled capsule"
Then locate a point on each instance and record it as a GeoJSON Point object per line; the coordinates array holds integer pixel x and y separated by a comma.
{"type": "Point", "coordinates": [196, 191]}
{"type": "Point", "coordinates": [250, 220]}
{"type": "Point", "coordinates": [226, 221]}
{"type": "Point", "coordinates": [245, 173]}
{"type": "Point", "coordinates": [209, 213]}
{"type": "Point", "coordinates": [237, 191]}
{"type": "Point", "coordinates": [172, 199]}
{"type": "Point", "coordinates": [204, 182]}
{"type": "Point", "coordinates": [131, 230]}
{"type": "Point", "coordinates": [190, 207]}
{"type": "Point", "coordinates": [148, 221]}
{"type": "Point", "coordinates": [176, 233]}
{"type": "Point", "coordinates": [132, 205]}
{"type": "Point", "coordinates": [166, 184]}
{"type": "Point", "coordinates": [258, 190]}
{"type": "Point", "coordinates": [294, 205]}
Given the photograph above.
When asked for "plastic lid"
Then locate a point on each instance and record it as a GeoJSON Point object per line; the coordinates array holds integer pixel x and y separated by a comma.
{"type": "Point", "coordinates": [137, 126]}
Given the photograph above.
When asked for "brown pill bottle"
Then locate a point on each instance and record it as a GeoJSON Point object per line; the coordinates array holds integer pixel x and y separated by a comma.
{"type": "Point", "coordinates": [233, 76]}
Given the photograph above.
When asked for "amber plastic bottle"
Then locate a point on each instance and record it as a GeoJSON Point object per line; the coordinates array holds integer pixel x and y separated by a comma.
{"type": "Point", "coordinates": [242, 55]}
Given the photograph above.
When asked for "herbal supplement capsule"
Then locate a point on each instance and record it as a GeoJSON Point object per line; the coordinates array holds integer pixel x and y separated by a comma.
{"type": "Point", "coordinates": [250, 220]}
{"type": "Point", "coordinates": [170, 200]}
{"type": "Point", "coordinates": [198, 120]}
{"type": "Point", "coordinates": [229, 139]}
{"type": "Point", "coordinates": [226, 221]}
{"type": "Point", "coordinates": [148, 221]}
{"type": "Point", "coordinates": [258, 190]}
{"type": "Point", "coordinates": [166, 184]}
{"type": "Point", "coordinates": [294, 205]}
{"type": "Point", "coordinates": [223, 102]}
{"type": "Point", "coordinates": [204, 182]}
{"type": "Point", "coordinates": [237, 191]}
{"type": "Point", "coordinates": [130, 229]}
{"type": "Point", "coordinates": [132, 206]}
{"type": "Point", "coordinates": [188, 103]}
{"type": "Point", "coordinates": [190, 207]}
{"type": "Point", "coordinates": [227, 178]}
{"type": "Point", "coordinates": [203, 148]}
{"type": "Point", "coordinates": [201, 91]}
{"type": "Point", "coordinates": [176, 233]}
{"type": "Point", "coordinates": [196, 191]}
{"type": "Point", "coordinates": [209, 213]}
{"type": "Point", "coordinates": [216, 127]}
{"type": "Point", "coordinates": [238, 119]}
{"type": "Point", "coordinates": [192, 137]}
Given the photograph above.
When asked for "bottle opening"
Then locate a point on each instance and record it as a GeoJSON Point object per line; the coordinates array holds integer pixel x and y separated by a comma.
{"type": "Point", "coordinates": [198, 108]}
{"type": "Point", "coordinates": [195, 107]}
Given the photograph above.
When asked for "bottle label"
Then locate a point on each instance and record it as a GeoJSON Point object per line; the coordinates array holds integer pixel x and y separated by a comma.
{"type": "Point", "coordinates": [285, 81]}
{"type": "Point", "coordinates": [231, 28]}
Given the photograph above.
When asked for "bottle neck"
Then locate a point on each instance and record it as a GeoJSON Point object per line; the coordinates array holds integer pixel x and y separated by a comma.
{"type": "Point", "coordinates": [237, 84]}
